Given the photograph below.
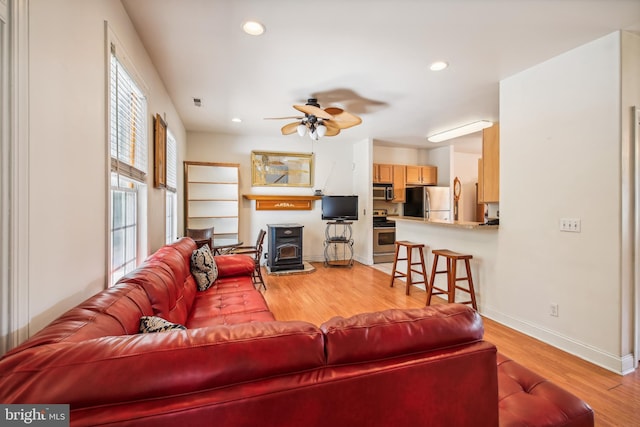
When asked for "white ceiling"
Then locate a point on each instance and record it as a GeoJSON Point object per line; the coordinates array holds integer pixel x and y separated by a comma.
{"type": "Point", "coordinates": [370, 57]}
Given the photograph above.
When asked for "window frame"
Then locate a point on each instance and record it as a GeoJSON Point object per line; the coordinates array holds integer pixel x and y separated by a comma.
{"type": "Point", "coordinates": [136, 181]}
{"type": "Point", "coordinates": [171, 192]}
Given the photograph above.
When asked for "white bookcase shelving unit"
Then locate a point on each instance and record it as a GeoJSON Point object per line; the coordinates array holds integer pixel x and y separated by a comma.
{"type": "Point", "coordinates": [212, 198]}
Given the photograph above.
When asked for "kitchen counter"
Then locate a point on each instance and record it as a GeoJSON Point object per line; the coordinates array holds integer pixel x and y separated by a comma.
{"type": "Point", "coordinates": [458, 236]}
{"type": "Point", "coordinates": [465, 225]}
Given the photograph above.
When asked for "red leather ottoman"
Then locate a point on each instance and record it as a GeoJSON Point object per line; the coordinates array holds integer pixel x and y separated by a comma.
{"type": "Point", "coordinates": [527, 399]}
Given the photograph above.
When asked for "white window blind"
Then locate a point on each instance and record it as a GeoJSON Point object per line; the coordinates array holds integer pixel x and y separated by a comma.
{"type": "Point", "coordinates": [128, 146]}
{"type": "Point", "coordinates": [128, 124]}
{"type": "Point", "coordinates": [172, 163]}
{"type": "Point", "coordinates": [171, 217]}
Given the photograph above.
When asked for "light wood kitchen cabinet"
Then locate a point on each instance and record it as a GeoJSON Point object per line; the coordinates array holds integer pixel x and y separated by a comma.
{"type": "Point", "coordinates": [382, 174]}
{"type": "Point", "coordinates": [422, 175]}
{"type": "Point", "coordinates": [399, 183]}
{"type": "Point", "coordinates": [489, 166]}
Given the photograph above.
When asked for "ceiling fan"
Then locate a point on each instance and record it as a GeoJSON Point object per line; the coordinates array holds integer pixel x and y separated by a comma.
{"type": "Point", "coordinates": [318, 122]}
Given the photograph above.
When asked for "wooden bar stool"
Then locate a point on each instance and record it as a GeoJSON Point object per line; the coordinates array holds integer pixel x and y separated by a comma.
{"type": "Point", "coordinates": [409, 246]}
{"type": "Point", "coordinates": [452, 259]}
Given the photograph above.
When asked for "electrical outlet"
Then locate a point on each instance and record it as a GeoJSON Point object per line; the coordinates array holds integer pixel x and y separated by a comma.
{"type": "Point", "coordinates": [553, 310]}
{"type": "Point", "coordinates": [572, 225]}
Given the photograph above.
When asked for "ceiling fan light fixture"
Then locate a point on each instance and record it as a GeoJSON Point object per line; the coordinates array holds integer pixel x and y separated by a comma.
{"type": "Point", "coordinates": [460, 131]}
{"type": "Point", "coordinates": [321, 130]}
{"type": "Point", "coordinates": [301, 129]}
{"type": "Point", "coordinates": [253, 28]}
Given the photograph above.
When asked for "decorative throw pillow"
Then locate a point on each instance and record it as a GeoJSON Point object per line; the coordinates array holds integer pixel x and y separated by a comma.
{"type": "Point", "coordinates": [203, 267]}
{"type": "Point", "coordinates": [157, 324]}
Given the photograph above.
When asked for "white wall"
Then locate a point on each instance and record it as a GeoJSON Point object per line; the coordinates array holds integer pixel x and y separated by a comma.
{"type": "Point", "coordinates": [560, 148]}
{"type": "Point", "coordinates": [334, 172]}
{"type": "Point", "coordinates": [362, 176]}
{"type": "Point", "coordinates": [630, 192]}
{"type": "Point", "coordinates": [395, 155]}
{"type": "Point", "coordinates": [442, 157]}
{"type": "Point", "coordinates": [68, 150]}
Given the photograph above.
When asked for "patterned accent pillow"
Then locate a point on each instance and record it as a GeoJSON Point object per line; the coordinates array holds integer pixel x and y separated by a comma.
{"type": "Point", "coordinates": [203, 267]}
{"type": "Point", "coordinates": [157, 324]}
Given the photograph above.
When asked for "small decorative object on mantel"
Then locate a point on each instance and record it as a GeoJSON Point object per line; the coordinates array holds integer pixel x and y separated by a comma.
{"type": "Point", "coordinates": [282, 202]}
{"type": "Point", "coordinates": [159, 152]}
{"type": "Point", "coordinates": [457, 188]}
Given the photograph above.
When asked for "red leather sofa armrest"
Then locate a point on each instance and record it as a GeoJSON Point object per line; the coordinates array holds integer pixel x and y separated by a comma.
{"type": "Point", "coordinates": [526, 398]}
{"type": "Point", "coordinates": [234, 265]}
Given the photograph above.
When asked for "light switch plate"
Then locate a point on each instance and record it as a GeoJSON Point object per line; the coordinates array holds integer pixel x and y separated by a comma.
{"type": "Point", "coordinates": [572, 225]}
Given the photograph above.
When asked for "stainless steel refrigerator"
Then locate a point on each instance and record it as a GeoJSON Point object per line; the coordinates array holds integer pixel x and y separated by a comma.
{"type": "Point", "coordinates": [428, 202]}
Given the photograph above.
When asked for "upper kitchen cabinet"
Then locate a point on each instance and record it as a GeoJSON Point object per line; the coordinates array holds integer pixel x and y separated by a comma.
{"type": "Point", "coordinates": [399, 183]}
{"type": "Point", "coordinates": [489, 166]}
{"type": "Point", "coordinates": [382, 174]}
{"type": "Point", "coordinates": [422, 175]}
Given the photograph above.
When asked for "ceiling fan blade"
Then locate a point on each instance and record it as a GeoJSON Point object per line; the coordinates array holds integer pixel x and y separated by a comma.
{"type": "Point", "coordinates": [284, 118]}
{"type": "Point", "coordinates": [313, 111]}
{"type": "Point", "coordinates": [331, 124]}
{"type": "Point", "coordinates": [334, 111]}
{"type": "Point", "coordinates": [332, 131]}
{"type": "Point", "coordinates": [290, 128]}
{"type": "Point", "coordinates": [346, 120]}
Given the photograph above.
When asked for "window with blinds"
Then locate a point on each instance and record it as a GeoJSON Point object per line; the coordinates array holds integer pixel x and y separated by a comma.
{"type": "Point", "coordinates": [172, 162]}
{"type": "Point", "coordinates": [171, 218]}
{"type": "Point", "coordinates": [128, 145]}
{"type": "Point", "coordinates": [128, 124]}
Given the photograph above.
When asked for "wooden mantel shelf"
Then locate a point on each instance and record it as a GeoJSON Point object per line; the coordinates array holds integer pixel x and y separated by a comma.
{"type": "Point", "coordinates": [282, 202]}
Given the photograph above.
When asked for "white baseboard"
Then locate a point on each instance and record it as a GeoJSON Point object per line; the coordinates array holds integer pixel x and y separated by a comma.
{"type": "Point", "coordinates": [620, 365]}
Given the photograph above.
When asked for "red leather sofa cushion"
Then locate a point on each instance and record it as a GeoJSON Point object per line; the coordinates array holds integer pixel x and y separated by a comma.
{"type": "Point", "coordinates": [371, 336]}
{"type": "Point", "coordinates": [146, 366]}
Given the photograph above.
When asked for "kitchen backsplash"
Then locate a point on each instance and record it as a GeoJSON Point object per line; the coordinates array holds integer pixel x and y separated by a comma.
{"type": "Point", "coordinates": [392, 208]}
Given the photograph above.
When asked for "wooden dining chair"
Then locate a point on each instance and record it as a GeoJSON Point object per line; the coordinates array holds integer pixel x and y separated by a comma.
{"type": "Point", "coordinates": [202, 236]}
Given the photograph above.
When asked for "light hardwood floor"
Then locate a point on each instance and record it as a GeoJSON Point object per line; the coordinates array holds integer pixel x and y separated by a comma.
{"type": "Point", "coordinates": [328, 292]}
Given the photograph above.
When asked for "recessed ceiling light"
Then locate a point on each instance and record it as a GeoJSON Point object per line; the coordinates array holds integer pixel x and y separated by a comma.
{"type": "Point", "coordinates": [438, 66]}
{"type": "Point", "coordinates": [253, 28]}
{"type": "Point", "coordinates": [236, 120]}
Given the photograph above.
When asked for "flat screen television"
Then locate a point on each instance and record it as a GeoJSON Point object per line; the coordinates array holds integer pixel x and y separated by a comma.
{"type": "Point", "coordinates": [340, 208]}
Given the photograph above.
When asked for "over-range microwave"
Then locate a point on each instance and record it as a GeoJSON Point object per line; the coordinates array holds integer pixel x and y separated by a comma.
{"type": "Point", "coordinates": [382, 192]}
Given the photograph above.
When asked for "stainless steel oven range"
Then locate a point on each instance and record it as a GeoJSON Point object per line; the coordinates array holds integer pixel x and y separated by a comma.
{"type": "Point", "coordinates": [384, 237]}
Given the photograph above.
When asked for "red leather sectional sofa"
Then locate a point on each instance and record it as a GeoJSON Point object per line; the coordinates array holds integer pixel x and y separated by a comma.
{"type": "Point", "coordinates": [236, 365]}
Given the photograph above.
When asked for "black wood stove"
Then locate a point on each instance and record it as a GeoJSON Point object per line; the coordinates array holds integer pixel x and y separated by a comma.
{"type": "Point", "coordinates": [285, 247]}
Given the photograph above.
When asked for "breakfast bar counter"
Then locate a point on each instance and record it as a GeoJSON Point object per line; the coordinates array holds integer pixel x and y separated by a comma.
{"type": "Point", "coordinates": [472, 238]}
{"type": "Point", "coordinates": [465, 225]}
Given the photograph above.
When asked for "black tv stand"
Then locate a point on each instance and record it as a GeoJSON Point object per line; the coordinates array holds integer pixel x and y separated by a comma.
{"type": "Point", "coordinates": [338, 244]}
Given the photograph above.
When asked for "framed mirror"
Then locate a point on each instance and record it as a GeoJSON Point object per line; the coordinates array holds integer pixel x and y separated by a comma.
{"type": "Point", "coordinates": [272, 169]}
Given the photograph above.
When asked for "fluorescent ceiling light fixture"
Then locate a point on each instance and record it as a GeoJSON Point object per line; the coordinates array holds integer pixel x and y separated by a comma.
{"type": "Point", "coordinates": [460, 131]}
{"type": "Point", "coordinates": [253, 28]}
{"type": "Point", "coordinates": [236, 120]}
{"type": "Point", "coordinates": [438, 66]}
